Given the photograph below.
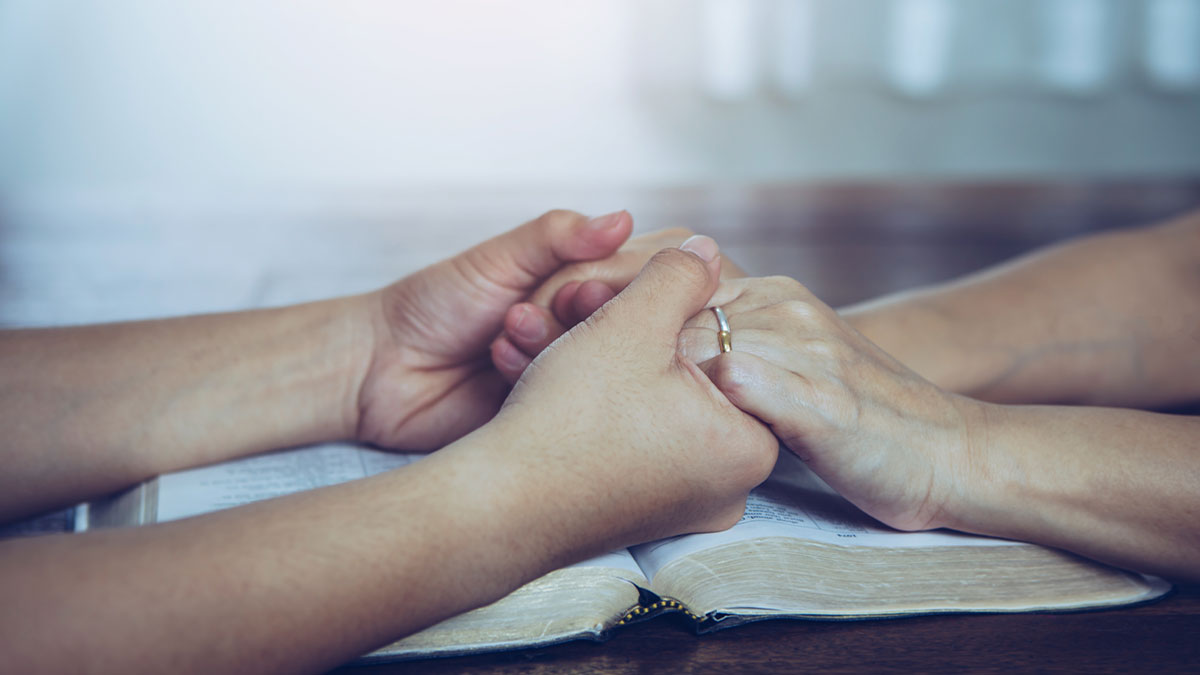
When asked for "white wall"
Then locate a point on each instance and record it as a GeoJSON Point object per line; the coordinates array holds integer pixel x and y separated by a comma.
{"type": "Point", "coordinates": [460, 92]}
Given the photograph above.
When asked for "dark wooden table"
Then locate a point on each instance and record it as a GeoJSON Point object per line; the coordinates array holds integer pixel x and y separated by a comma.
{"type": "Point", "coordinates": [81, 257]}
{"type": "Point", "coordinates": [1164, 637]}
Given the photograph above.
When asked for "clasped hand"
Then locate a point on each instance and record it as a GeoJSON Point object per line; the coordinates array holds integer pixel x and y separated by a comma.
{"type": "Point", "coordinates": [891, 442]}
{"type": "Point", "coordinates": [644, 446]}
{"type": "Point", "coordinates": [450, 338]}
{"type": "Point", "coordinates": [427, 378]}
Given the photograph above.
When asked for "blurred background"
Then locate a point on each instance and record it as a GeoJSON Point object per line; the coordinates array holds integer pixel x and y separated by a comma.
{"type": "Point", "coordinates": [167, 157]}
{"type": "Point", "coordinates": [162, 158]}
{"type": "Point", "coordinates": [472, 92]}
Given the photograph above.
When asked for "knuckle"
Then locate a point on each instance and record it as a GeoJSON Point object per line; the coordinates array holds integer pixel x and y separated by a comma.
{"type": "Point", "coordinates": [842, 352]}
{"type": "Point", "coordinates": [787, 285]}
{"type": "Point", "coordinates": [724, 378]}
{"type": "Point", "coordinates": [820, 348]}
{"type": "Point", "coordinates": [831, 350]}
{"type": "Point", "coordinates": [798, 311]}
{"type": "Point", "coordinates": [730, 377]}
{"type": "Point", "coordinates": [560, 218]}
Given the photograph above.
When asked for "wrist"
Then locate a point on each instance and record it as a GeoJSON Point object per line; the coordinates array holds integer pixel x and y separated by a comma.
{"type": "Point", "coordinates": [247, 382]}
{"type": "Point", "coordinates": [353, 340]}
{"type": "Point", "coordinates": [981, 476]}
{"type": "Point", "coordinates": [316, 371]}
{"type": "Point", "coordinates": [569, 484]}
{"type": "Point", "coordinates": [528, 507]}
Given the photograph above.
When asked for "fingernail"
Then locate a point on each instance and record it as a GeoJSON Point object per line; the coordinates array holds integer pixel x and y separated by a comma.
{"type": "Point", "coordinates": [605, 222]}
{"type": "Point", "coordinates": [529, 327]}
{"type": "Point", "coordinates": [702, 246]}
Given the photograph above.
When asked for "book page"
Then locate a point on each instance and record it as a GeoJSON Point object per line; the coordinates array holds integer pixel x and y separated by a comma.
{"type": "Point", "coordinates": [242, 481]}
{"type": "Point", "coordinates": [620, 560]}
{"type": "Point", "coordinates": [795, 502]}
{"type": "Point", "coordinates": [221, 486]}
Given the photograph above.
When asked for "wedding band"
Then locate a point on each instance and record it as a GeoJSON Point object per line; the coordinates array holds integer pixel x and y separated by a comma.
{"type": "Point", "coordinates": [724, 335]}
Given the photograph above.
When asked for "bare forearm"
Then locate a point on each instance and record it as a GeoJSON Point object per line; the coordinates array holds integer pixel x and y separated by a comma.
{"type": "Point", "coordinates": [564, 471]}
{"type": "Point", "coordinates": [1106, 320]}
{"type": "Point", "coordinates": [296, 584]}
{"type": "Point", "coordinates": [91, 409]}
{"type": "Point", "coordinates": [1115, 485]}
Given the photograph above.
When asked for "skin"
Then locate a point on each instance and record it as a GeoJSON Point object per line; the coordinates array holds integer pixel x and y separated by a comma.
{"type": "Point", "coordinates": [89, 410]}
{"type": "Point", "coordinates": [907, 405]}
{"type": "Point", "coordinates": [1110, 484]}
{"type": "Point", "coordinates": [1108, 320]}
{"type": "Point", "coordinates": [573, 293]}
{"type": "Point", "coordinates": [567, 469]}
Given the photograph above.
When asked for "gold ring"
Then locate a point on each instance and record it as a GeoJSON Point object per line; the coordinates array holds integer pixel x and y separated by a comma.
{"type": "Point", "coordinates": [724, 335]}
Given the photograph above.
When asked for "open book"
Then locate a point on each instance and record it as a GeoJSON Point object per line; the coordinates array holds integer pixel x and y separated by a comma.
{"type": "Point", "coordinates": [800, 551]}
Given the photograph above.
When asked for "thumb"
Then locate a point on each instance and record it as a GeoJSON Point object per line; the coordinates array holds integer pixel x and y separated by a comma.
{"type": "Point", "coordinates": [673, 286]}
{"type": "Point", "coordinates": [521, 258]}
